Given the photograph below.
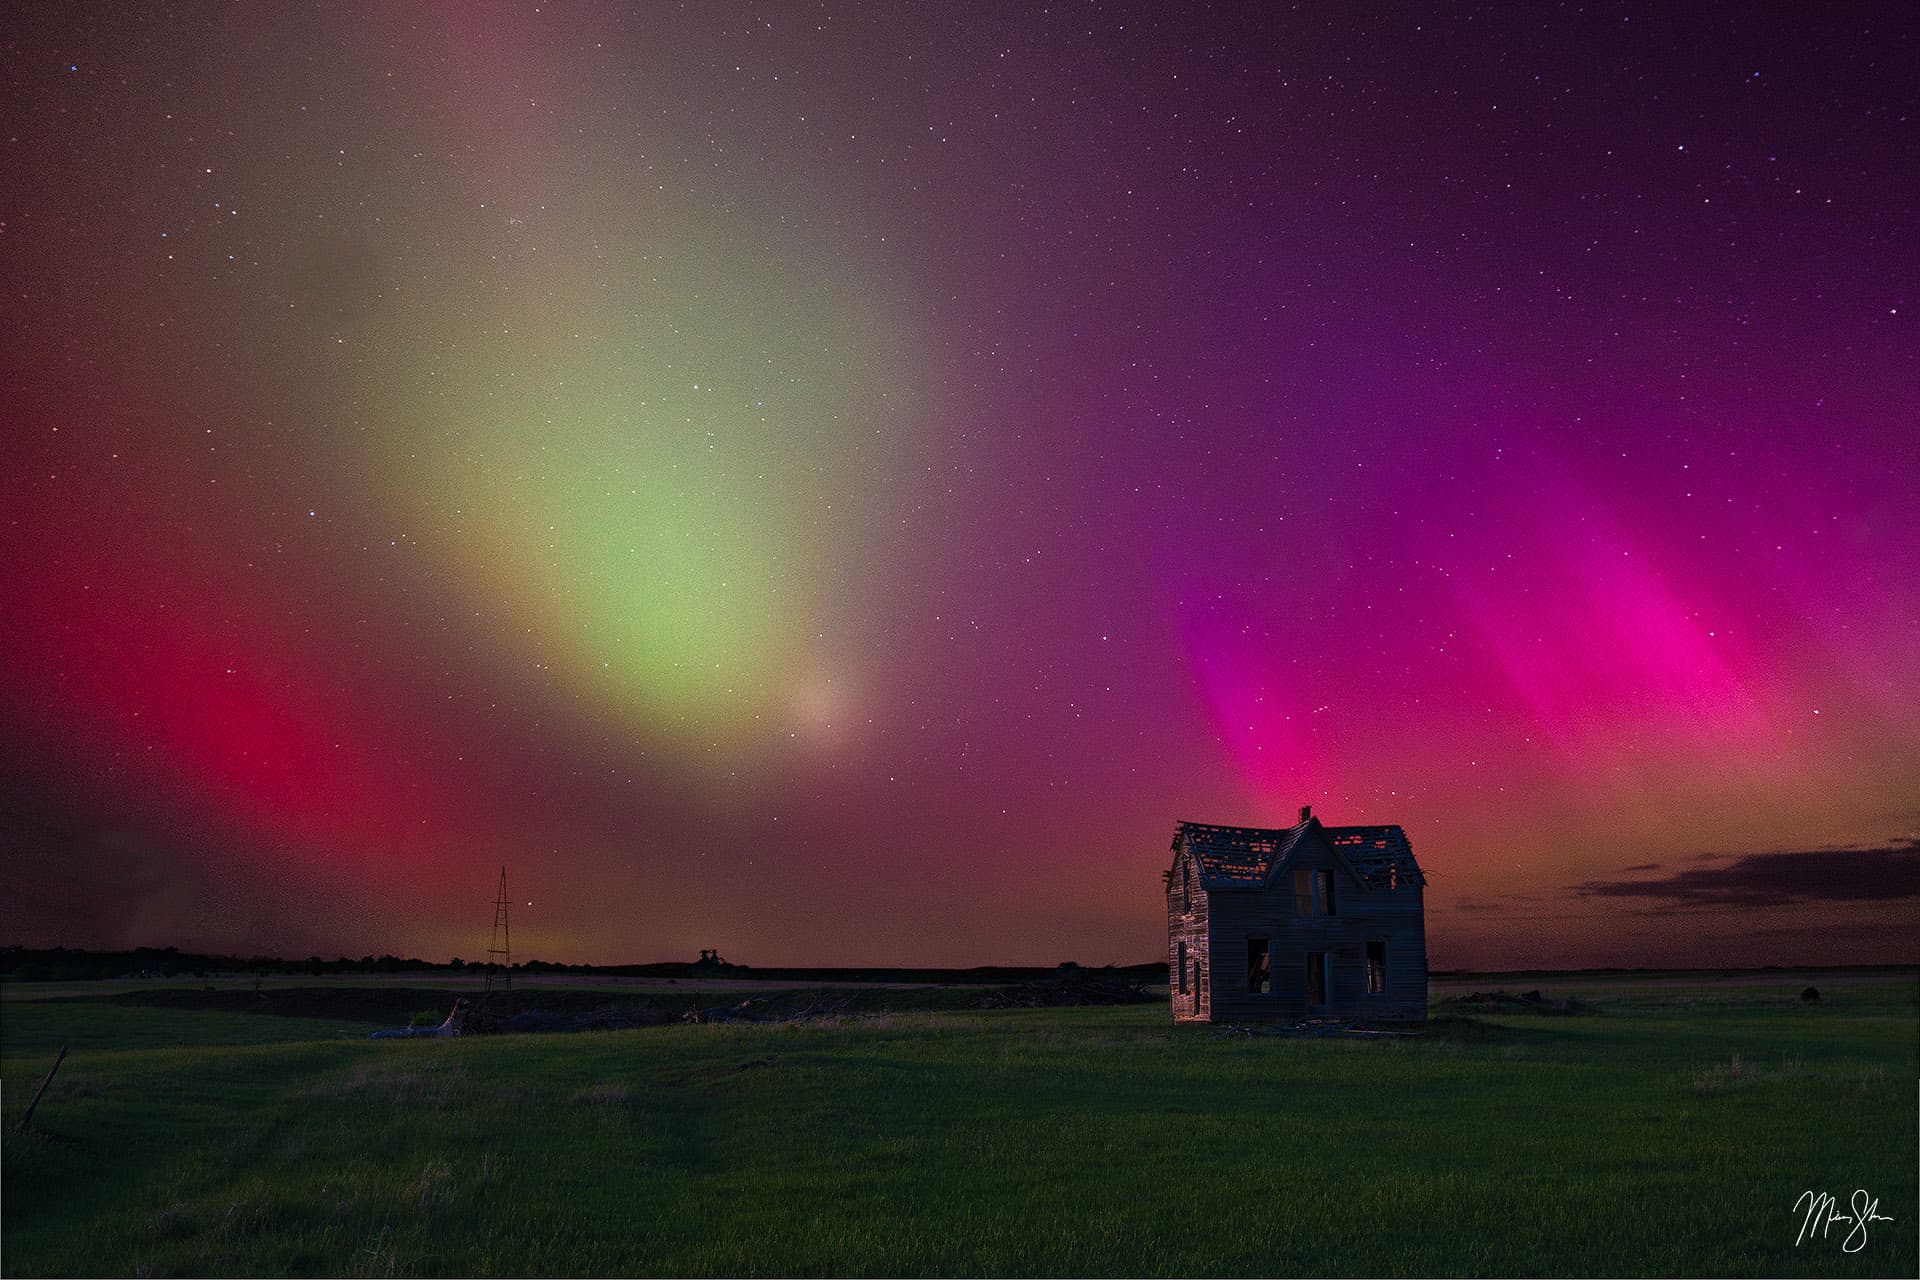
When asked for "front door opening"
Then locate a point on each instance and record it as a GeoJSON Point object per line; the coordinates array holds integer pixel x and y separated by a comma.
{"type": "Point", "coordinates": [1259, 976]}
{"type": "Point", "coordinates": [1376, 968]}
{"type": "Point", "coordinates": [1316, 979]}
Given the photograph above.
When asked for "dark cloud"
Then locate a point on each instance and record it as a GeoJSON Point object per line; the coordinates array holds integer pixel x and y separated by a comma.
{"type": "Point", "coordinates": [69, 881]}
{"type": "Point", "coordinates": [1508, 902]}
{"type": "Point", "coordinates": [1642, 866]}
{"type": "Point", "coordinates": [1879, 874]}
{"type": "Point", "coordinates": [61, 887]}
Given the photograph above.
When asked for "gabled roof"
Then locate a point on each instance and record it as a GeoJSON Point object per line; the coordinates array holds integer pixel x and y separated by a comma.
{"type": "Point", "coordinates": [1244, 857]}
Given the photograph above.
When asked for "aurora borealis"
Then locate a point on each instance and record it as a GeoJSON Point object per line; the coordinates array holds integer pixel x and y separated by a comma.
{"type": "Point", "coordinates": [835, 484]}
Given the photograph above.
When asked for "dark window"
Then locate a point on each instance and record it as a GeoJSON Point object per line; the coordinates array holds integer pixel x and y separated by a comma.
{"type": "Point", "coordinates": [1317, 979]}
{"type": "Point", "coordinates": [1186, 885]}
{"type": "Point", "coordinates": [1259, 978]}
{"type": "Point", "coordinates": [1376, 968]}
{"type": "Point", "coordinates": [1181, 969]}
{"type": "Point", "coordinates": [1302, 892]}
{"type": "Point", "coordinates": [1323, 892]}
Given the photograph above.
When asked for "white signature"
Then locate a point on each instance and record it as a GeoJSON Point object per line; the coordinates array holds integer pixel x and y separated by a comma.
{"type": "Point", "coordinates": [1823, 1211]}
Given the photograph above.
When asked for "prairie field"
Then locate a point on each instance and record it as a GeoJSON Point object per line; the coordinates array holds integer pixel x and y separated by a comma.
{"type": "Point", "coordinates": [1662, 1129]}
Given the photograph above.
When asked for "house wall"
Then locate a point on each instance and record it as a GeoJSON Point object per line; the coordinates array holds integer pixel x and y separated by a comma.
{"type": "Point", "coordinates": [1187, 922]}
{"type": "Point", "coordinates": [1396, 917]}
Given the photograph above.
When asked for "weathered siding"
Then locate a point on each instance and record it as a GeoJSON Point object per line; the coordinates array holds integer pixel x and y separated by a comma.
{"type": "Point", "coordinates": [1187, 916]}
{"type": "Point", "coordinates": [1222, 921]}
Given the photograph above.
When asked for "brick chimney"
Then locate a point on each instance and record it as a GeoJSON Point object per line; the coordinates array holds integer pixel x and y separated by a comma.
{"type": "Point", "coordinates": [1306, 811]}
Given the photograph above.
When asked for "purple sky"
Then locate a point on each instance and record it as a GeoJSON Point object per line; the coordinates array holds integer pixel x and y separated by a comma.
{"type": "Point", "coordinates": [836, 484]}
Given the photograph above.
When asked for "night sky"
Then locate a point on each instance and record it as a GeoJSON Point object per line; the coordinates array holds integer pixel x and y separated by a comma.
{"type": "Point", "coordinates": [836, 484]}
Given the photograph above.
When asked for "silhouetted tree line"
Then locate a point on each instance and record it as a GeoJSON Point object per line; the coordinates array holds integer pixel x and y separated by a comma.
{"type": "Point", "coordinates": [68, 964]}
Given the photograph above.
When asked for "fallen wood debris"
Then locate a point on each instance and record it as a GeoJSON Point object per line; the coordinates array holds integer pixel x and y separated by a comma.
{"type": "Point", "coordinates": [27, 1119]}
{"type": "Point", "coordinates": [455, 1025]}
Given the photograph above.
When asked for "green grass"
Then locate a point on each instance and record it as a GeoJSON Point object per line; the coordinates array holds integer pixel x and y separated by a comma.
{"type": "Point", "coordinates": [1670, 1133]}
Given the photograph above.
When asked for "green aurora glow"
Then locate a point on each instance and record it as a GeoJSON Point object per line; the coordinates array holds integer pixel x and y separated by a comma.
{"type": "Point", "coordinates": [665, 488]}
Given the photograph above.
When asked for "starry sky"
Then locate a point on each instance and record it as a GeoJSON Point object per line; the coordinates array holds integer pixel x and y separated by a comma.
{"type": "Point", "coordinates": [837, 483]}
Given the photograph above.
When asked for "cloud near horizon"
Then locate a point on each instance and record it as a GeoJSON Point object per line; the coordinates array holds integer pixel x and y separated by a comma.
{"type": "Point", "coordinates": [1881, 873]}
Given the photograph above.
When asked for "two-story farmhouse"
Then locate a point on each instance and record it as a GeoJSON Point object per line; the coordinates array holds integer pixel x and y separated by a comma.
{"type": "Point", "coordinates": [1311, 921]}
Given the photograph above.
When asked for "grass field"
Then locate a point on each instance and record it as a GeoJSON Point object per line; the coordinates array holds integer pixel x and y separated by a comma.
{"type": "Point", "coordinates": [1669, 1132]}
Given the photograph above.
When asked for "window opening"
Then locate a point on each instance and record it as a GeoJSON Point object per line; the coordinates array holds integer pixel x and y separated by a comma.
{"type": "Point", "coordinates": [1259, 976]}
{"type": "Point", "coordinates": [1376, 968]}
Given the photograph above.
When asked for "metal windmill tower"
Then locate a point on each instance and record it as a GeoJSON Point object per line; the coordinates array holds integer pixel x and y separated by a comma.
{"type": "Point", "coordinates": [500, 947]}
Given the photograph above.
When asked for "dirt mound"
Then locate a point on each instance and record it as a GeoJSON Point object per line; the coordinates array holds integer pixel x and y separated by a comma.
{"type": "Point", "coordinates": [611, 1016]}
{"type": "Point", "coordinates": [379, 1004]}
{"type": "Point", "coordinates": [1528, 1001]}
{"type": "Point", "coordinates": [1070, 987]}
{"type": "Point", "coordinates": [543, 1008]}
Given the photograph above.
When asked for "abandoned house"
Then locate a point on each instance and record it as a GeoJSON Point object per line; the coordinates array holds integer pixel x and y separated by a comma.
{"type": "Point", "coordinates": [1307, 922]}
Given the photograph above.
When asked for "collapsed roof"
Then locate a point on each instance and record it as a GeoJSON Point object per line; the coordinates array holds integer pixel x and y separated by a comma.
{"type": "Point", "coordinates": [1245, 857]}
